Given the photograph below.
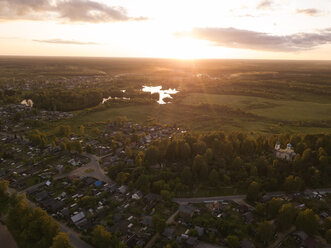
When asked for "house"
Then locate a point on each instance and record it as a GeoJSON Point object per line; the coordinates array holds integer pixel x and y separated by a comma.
{"type": "Point", "coordinates": [147, 221]}
{"type": "Point", "coordinates": [168, 232]}
{"type": "Point", "coordinates": [65, 212]}
{"type": "Point", "coordinates": [41, 196]}
{"type": "Point", "coordinates": [200, 230]}
{"type": "Point", "coordinates": [286, 154]}
{"type": "Point", "coordinates": [122, 189]}
{"type": "Point", "coordinates": [151, 199]}
{"type": "Point", "coordinates": [53, 205]}
{"type": "Point", "coordinates": [186, 211]}
{"type": "Point", "coordinates": [137, 195]}
{"type": "Point", "coordinates": [249, 218]}
{"type": "Point", "coordinates": [89, 180]}
{"type": "Point", "coordinates": [121, 227]}
{"type": "Point", "coordinates": [78, 218]}
{"type": "Point", "coordinates": [192, 241]}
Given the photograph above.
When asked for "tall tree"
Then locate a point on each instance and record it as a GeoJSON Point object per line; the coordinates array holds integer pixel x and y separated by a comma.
{"type": "Point", "coordinates": [307, 221]}
{"type": "Point", "coordinates": [61, 240]}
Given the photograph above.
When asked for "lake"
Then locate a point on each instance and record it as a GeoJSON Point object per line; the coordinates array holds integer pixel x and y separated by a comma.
{"type": "Point", "coordinates": [162, 93]}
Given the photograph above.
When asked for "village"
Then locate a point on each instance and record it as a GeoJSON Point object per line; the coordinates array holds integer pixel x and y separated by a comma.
{"type": "Point", "coordinates": [17, 118]}
{"type": "Point", "coordinates": [74, 188]}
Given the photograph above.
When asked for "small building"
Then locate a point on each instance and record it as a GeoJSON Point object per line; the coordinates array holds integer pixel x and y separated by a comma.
{"type": "Point", "coordinates": [286, 154]}
{"type": "Point", "coordinates": [122, 189]}
{"type": "Point", "coordinates": [97, 183]}
{"type": "Point", "coordinates": [186, 211]}
{"type": "Point", "coordinates": [147, 221]}
{"type": "Point", "coordinates": [41, 196]}
{"type": "Point", "coordinates": [168, 233]}
{"type": "Point", "coordinates": [78, 218]}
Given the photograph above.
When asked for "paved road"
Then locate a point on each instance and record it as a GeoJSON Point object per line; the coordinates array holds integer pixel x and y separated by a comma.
{"type": "Point", "coordinates": [6, 239]}
{"type": "Point", "coordinates": [95, 169]}
{"type": "Point", "coordinates": [236, 197]}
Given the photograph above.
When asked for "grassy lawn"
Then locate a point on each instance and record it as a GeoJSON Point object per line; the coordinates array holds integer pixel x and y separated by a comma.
{"type": "Point", "coordinates": [289, 110]}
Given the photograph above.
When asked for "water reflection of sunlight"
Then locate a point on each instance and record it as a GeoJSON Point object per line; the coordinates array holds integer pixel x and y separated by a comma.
{"type": "Point", "coordinates": [162, 93]}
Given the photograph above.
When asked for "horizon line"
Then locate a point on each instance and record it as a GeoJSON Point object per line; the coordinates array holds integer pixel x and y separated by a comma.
{"type": "Point", "coordinates": [164, 58]}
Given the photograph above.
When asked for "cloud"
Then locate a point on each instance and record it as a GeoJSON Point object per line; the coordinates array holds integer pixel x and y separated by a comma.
{"type": "Point", "coordinates": [310, 12]}
{"type": "Point", "coordinates": [63, 10]}
{"type": "Point", "coordinates": [265, 4]}
{"type": "Point", "coordinates": [246, 39]}
{"type": "Point", "coordinates": [69, 42]}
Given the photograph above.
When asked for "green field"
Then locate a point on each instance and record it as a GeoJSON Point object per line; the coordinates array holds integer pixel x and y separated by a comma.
{"type": "Point", "coordinates": [274, 109]}
{"type": "Point", "coordinates": [185, 116]}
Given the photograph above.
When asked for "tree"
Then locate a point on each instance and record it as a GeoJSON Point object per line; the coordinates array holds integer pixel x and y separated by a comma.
{"type": "Point", "coordinates": [237, 164]}
{"type": "Point", "coordinates": [122, 177]}
{"type": "Point", "coordinates": [166, 195]}
{"type": "Point", "coordinates": [286, 216]}
{"type": "Point", "coordinates": [265, 232]}
{"type": "Point", "coordinates": [101, 238]}
{"type": "Point", "coordinates": [198, 164]}
{"type": "Point", "coordinates": [4, 197]}
{"type": "Point", "coordinates": [183, 150]}
{"type": "Point", "coordinates": [199, 147]}
{"type": "Point", "coordinates": [152, 155]}
{"type": "Point", "coordinates": [31, 228]}
{"type": "Point", "coordinates": [253, 192]}
{"type": "Point", "coordinates": [61, 240]}
{"type": "Point", "coordinates": [273, 207]}
{"type": "Point", "coordinates": [328, 236]}
{"type": "Point", "coordinates": [307, 221]}
{"type": "Point", "coordinates": [159, 223]}
{"type": "Point", "coordinates": [214, 178]}
{"type": "Point", "coordinates": [63, 130]}
{"type": "Point", "coordinates": [82, 130]}
{"type": "Point", "coordinates": [233, 241]}
{"type": "Point", "coordinates": [88, 148]}
{"type": "Point", "coordinates": [293, 184]}
{"type": "Point", "coordinates": [186, 175]}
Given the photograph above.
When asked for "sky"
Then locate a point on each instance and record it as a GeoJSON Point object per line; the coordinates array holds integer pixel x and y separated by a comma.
{"type": "Point", "coordinates": [183, 29]}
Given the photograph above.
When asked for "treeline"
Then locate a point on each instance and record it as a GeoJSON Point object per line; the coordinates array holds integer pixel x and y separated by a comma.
{"type": "Point", "coordinates": [66, 100]}
{"type": "Point", "coordinates": [30, 227]}
{"type": "Point", "coordinates": [214, 160]}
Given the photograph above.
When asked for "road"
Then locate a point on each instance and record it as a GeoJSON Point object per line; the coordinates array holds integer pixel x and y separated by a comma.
{"type": "Point", "coordinates": [236, 197]}
{"type": "Point", "coordinates": [92, 169]}
{"type": "Point", "coordinates": [6, 239]}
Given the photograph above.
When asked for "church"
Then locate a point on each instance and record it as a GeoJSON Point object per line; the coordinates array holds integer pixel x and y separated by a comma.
{"type": "Point", "coordinates": [287, 153]}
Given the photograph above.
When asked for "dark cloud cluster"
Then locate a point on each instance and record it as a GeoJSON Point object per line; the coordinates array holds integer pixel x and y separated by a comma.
{"type": "Point", "coordinates": [245, 39]}
{"type": "Point", "coordinates": [64, 10]}
{"type": "Point", "coordinates": [66, 42]}
{"type": "Point", "coordinates": [310, 12]}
